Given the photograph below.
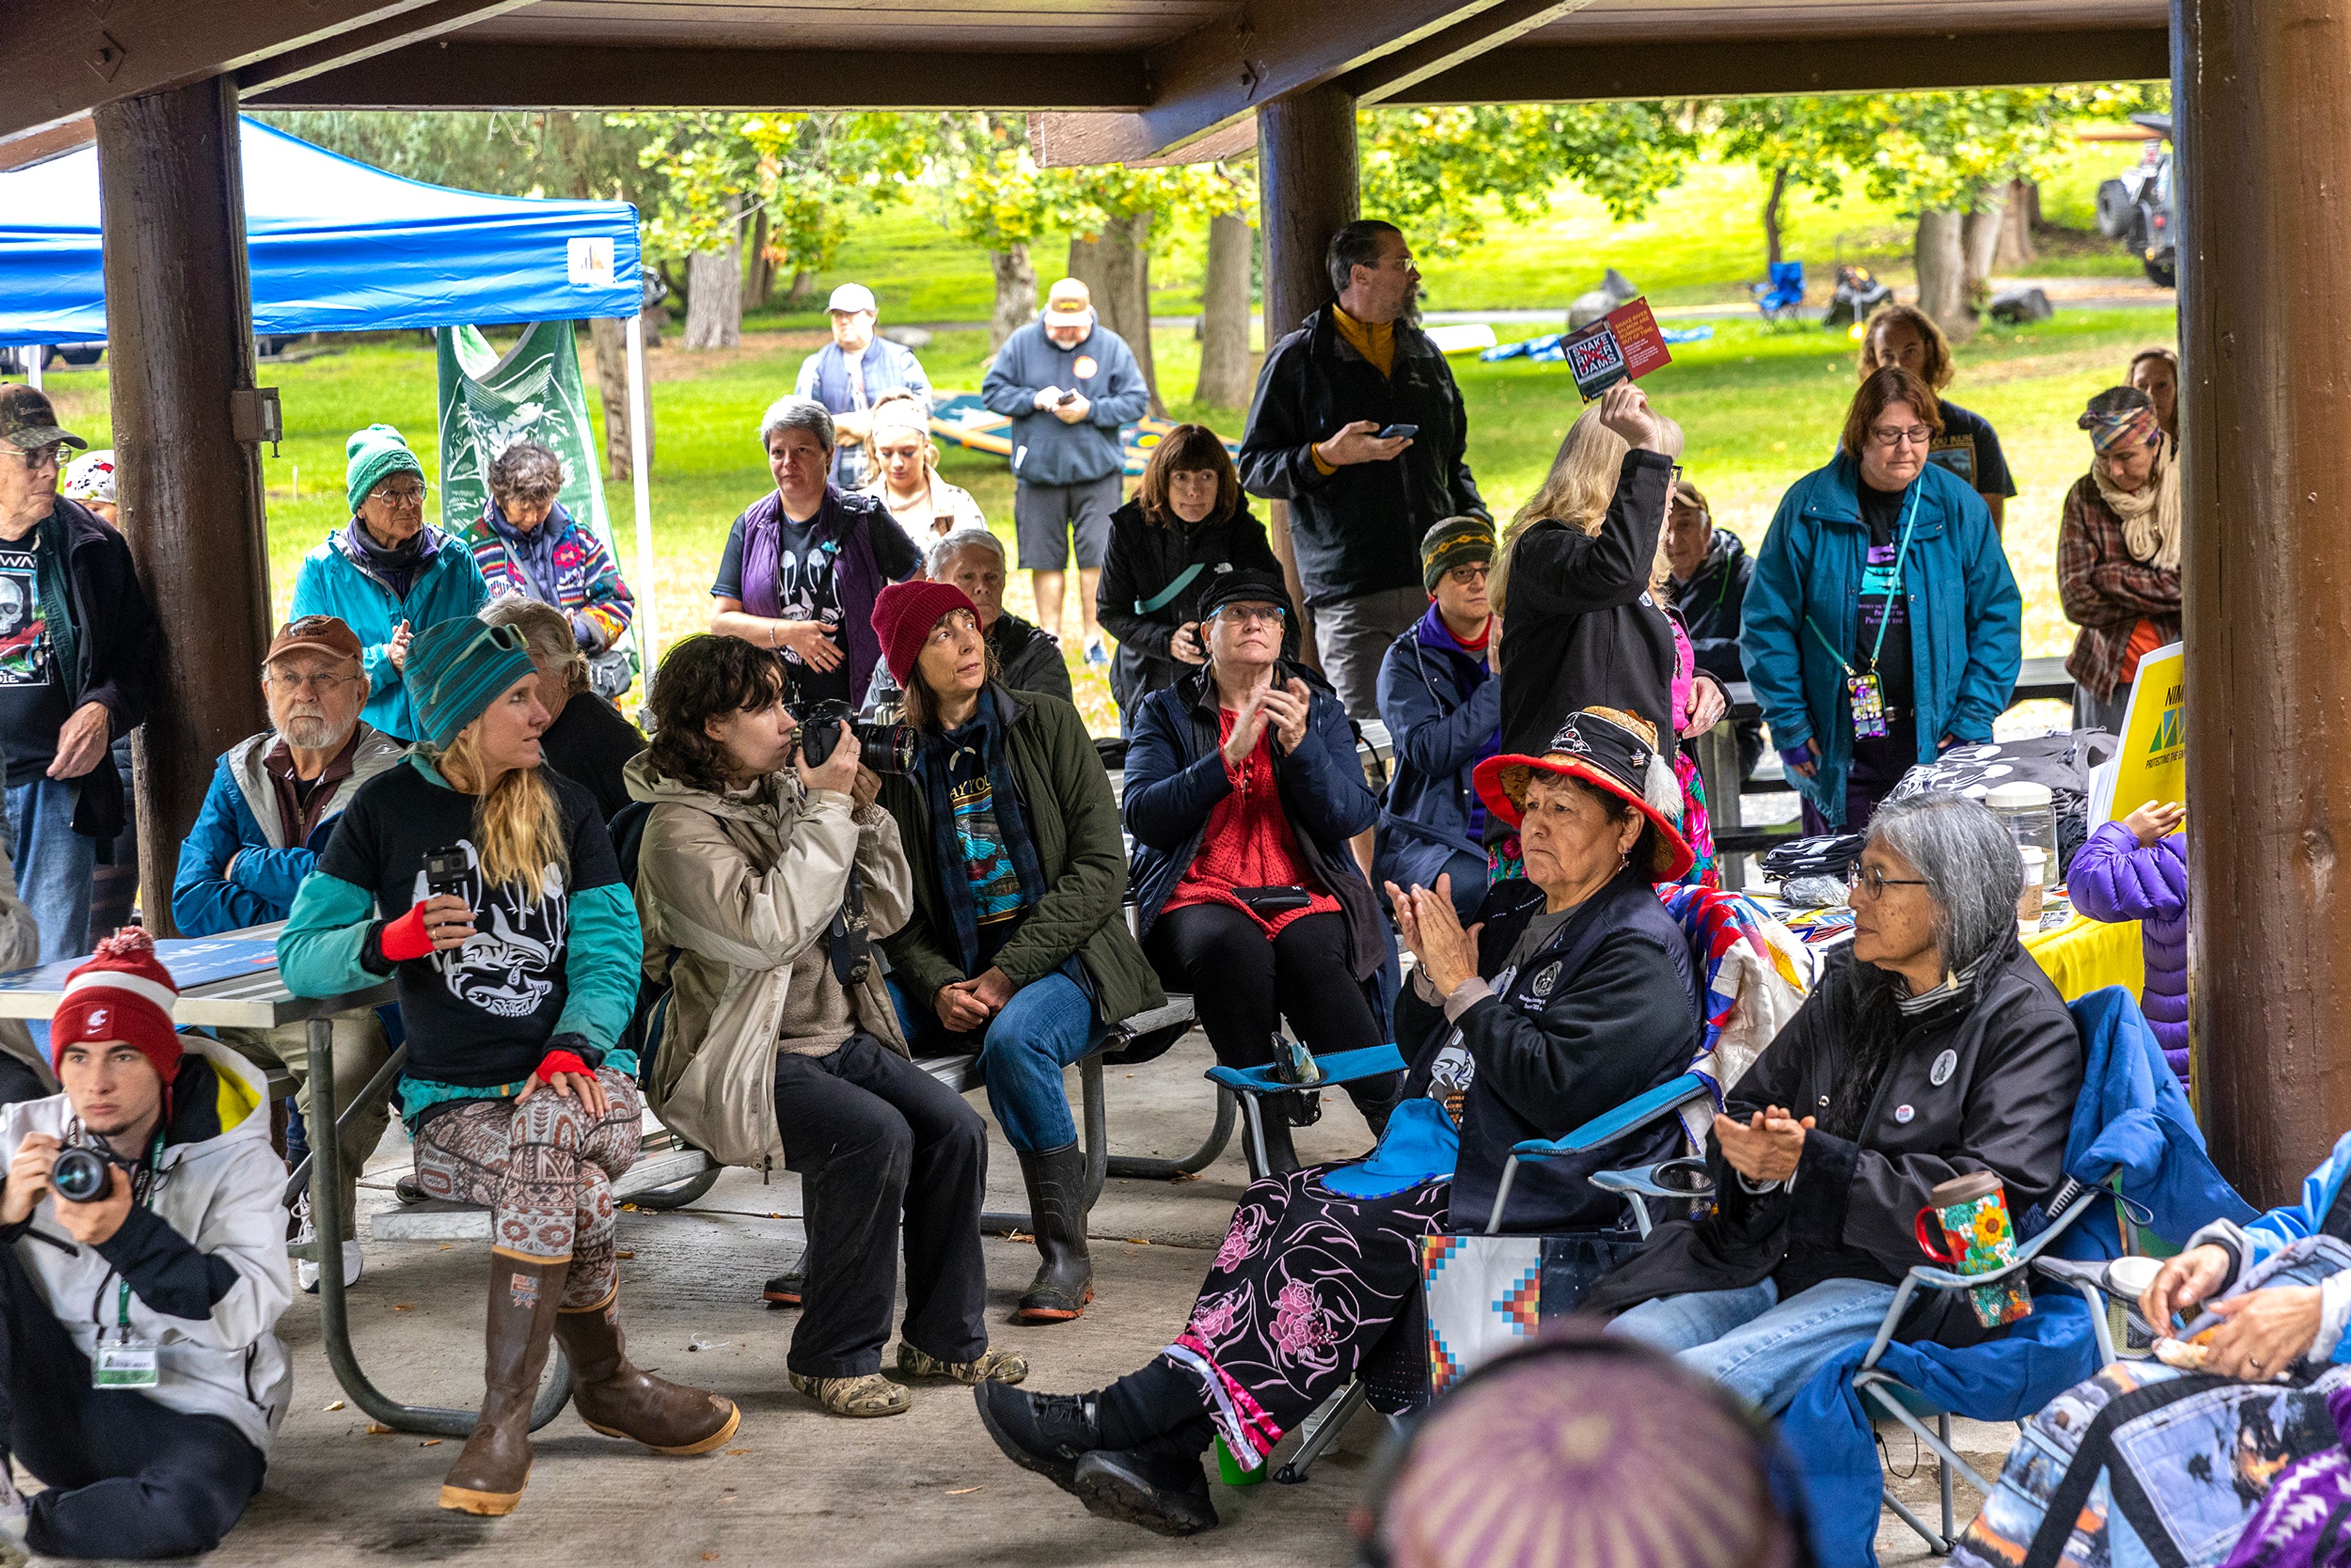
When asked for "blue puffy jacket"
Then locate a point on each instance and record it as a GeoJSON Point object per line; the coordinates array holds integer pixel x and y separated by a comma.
{"type": "Point", "coordinates": [334, 581]}
{"type": "Point", "coordinates": [240, 822]}
{"type": "Point", "coordinates": [1965, 621]}
{"type": "Point", "coordinates": [1444, 711]}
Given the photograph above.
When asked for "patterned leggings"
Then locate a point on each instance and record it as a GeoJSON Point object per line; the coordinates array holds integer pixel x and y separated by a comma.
{"type": "Point", "coordinates": [545, 1168]}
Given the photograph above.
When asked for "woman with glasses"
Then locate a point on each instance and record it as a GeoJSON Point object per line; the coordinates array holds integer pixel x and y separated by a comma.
{"type": "Point", "coordinates": [1242, 789]}
{"type": "Point", "coordinates": [1965, 442]}
{"type": "Point", "coordinates": [387, 574]}
{"type": "Point", "coordinates": [1882, 625]}
{"type": "Point", "coordinates": [1933, 1048]}
{"type": "Point", "coordinates": [1443, 708]}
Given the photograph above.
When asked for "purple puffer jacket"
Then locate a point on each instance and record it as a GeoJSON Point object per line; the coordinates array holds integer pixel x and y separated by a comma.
{"type": "Point", "coordinates": [2112, 878]}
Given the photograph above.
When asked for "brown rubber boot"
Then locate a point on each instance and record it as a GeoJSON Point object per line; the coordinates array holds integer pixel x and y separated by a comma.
{"type": "Point", "coordinates": [490, 1472]}
{"type": "Point", "coordinates": [616, 1399]}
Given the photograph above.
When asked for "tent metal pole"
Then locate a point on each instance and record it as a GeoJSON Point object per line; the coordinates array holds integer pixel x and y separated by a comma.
{"type": "Point", "coordinates": [34, 354]}
{"type": "Point", "coordinates": [641, 474]}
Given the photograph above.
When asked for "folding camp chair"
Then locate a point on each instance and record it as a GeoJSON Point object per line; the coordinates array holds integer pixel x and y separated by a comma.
{"type": "Point", "coordinates": [1780, 296]}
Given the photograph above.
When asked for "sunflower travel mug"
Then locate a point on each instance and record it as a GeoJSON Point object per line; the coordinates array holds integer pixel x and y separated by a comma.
{"type": "Point", "coordinates": [1971, 1213]}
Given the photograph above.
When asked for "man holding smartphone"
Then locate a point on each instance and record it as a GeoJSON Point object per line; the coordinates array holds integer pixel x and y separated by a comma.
{"type": "Point", "coordinates": [1358, 425]}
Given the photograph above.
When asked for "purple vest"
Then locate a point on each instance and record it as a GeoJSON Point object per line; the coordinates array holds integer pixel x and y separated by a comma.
{"type": "Point", "coordinates": [842, 520]}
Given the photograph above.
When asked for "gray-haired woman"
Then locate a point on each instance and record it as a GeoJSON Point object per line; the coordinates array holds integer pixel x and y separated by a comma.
{"type": "Point", "coordinates": [588, 742]}
{"type": "Point", "coordinates": [804, 563]}
{"type": "Point", "coordinates": [1936, 1047]}
{"type": "Point", "coordinates": [529, 547]}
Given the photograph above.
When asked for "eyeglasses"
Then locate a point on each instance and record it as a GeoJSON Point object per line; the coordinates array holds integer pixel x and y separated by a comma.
{"type": "Point", "coordinates": [1471, 575]}
{"type": "Point", "coordinates": [49, 456]}
{"type": "Point", "coordinates": [321, 683]}
{"type": "Point", "coordinates": [1874, 882]}
{"type": "Point", "coordinates": [1889, 437]}
{"type": "Point", "coordinates": [402, 495]}
{"type": "Point", "coordinates": [1245, 615]}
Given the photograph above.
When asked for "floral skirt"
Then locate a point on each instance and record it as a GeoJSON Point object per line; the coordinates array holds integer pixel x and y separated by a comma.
{"type": "Point", "coordinates": [1307, 1282]}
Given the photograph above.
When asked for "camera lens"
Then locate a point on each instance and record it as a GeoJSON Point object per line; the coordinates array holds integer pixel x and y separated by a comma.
{"type": "Point", "coordinates": [79, 1175]}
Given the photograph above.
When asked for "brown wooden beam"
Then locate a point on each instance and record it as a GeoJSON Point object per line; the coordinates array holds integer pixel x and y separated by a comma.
{"type": "Point", "coordinates": [179, 343]}
{"type": "Point", "coordinates": [1214, 75]}
{"type": "Point", "coordinates": [1406, 69]}
{"type": "Point", "coordinates": [27, 148]}
{"type": "Point", "coordinates": [363, 44]}
{"type": "Point", "coordinates": [69, 55]}
{"type": "Point", "coordinates": [1739, 68]}
{"type": "Point", "coordinates": [455, 74]}
{"type": "Point", "coordinates": [2262, 122]}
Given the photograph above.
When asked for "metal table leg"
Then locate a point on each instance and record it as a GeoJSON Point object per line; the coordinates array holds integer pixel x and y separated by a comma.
{"type": "Point", "coordinates": [326, 1218]}
{"type": "Point", "coordinates": [1144, 1168]}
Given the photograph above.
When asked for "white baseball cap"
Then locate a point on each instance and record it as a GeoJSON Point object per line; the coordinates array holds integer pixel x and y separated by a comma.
{"type": "Point", "coordinates": [851, 296]}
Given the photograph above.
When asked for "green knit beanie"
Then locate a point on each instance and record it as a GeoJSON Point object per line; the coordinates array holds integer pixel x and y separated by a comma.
{"type": "Point", "coordinates": [373, 453]}
{"type": "Point", "coordinates": [1456, 542]}
{"type": "Point", "coordinates": [454, 670]}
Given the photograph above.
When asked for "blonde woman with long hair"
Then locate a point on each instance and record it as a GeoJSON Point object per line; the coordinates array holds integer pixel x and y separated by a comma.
{"type": "Point", "coordinates": [485, 887]}
{"type": "Point", "coordinates": [1579, 626]}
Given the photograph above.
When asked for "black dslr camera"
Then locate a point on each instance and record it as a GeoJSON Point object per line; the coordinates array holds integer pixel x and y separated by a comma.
{"type": "Point", "coordinates": [881, 747]}
{"type": "Point", "coordinates": [78, 1175]}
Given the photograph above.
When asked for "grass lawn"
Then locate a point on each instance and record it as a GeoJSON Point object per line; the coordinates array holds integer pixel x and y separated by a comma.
{"type": "Point", "coordinates": [1760, 407]}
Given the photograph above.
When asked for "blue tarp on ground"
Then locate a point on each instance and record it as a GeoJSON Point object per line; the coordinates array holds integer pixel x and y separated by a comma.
{"type": "Point", "coordinates": [334, 246]}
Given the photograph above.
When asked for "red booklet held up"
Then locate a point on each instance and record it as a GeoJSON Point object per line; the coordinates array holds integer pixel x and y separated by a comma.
{"type": "Point", "coordinates": [1624, 345]}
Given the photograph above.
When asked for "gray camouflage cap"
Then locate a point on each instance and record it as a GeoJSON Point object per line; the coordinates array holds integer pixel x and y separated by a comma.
{"type": "Point", "coordinates": [28, 422]}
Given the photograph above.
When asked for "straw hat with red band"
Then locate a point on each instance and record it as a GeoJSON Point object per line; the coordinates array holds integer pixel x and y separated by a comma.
{"type": "Point", "coordinates": [1612, 751]}
{"type": "Point", "coordinates": [123, 993]}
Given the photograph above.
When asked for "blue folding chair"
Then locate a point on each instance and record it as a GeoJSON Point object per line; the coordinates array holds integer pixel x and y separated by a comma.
{"type": "Point", "coordinates": [1780, 296]}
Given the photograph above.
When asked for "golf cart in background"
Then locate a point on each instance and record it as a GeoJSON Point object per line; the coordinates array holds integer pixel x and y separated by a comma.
{"type": "Point", "coordinates": [2136, 208]}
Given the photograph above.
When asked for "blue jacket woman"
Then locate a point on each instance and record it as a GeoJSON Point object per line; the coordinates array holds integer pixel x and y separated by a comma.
{"type": "Point", "coordinates": [1805, 608]}
{"type": "Point", "coordinates": [1443, 708]}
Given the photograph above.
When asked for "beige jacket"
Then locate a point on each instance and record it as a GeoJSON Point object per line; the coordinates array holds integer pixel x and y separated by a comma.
{"type": "Point", "coordinates": [730, 890]}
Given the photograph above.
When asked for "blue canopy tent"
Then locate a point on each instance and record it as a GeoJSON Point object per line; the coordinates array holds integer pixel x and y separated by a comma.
{"type": "Point", "coordinates": [334, 246]}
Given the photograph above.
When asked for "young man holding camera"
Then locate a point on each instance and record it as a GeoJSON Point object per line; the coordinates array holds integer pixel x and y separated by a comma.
{"type": "Point", "coordinates": [142, 1270]}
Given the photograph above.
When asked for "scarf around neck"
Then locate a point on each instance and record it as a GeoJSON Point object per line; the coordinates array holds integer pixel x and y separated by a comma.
{"type": "Point", "coordinates": [398, 566]}
{"type": "Point", "coordinates": [2150, 516]}
{"type": "Point", "coordinates": [987, 728]}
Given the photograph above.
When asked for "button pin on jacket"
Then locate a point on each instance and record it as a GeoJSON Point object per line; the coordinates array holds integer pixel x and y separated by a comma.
{"type": "Point", "coordinates": [1903, 1113]}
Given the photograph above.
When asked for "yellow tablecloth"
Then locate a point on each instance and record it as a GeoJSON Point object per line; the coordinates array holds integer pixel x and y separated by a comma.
{"type": "Point", "coordinates": [2084, 955]}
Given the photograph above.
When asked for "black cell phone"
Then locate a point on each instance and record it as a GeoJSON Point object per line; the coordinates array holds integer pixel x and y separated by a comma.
{"type": "Point", "coordinates": [444, 872]}
{"type": "Point", "coordinates": [1067, 398]}
{"type": "Point", "coordinates": [1392, 431]}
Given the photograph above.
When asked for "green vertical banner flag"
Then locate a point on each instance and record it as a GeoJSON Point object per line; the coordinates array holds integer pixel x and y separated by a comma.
{"type": "Point", "coordinates": [488, 402]}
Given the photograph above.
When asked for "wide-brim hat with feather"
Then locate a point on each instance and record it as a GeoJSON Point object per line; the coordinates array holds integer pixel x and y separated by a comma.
{"type": "Point", "coordinates": [1610, 750]}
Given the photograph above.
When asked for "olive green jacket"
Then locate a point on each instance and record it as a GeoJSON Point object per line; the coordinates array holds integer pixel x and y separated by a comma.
{"type": "Point", "coordinates": [1065, 796]}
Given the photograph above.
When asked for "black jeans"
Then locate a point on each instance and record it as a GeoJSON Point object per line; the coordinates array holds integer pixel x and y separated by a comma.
{"type": "Point", "coordinates": [18, 1083]}
{"type": "Point", "coordinates": [127, 1476]}
{"type": "Point", "coordinates": [873, 1137]}
{"type": "Point", "coordinates": [1243, 986]}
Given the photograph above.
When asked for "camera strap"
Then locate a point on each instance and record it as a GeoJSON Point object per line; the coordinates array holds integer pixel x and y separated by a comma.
{"type": "Point", "coordinates": [129, 1362]}
{"type": "Point", "coordinates": [847, 936]}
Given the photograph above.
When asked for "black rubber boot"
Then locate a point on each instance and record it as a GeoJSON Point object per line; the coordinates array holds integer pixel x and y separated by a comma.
{"type": "Point", "coordinates": [1056, 1179]}
{"type": "Point", "coordinates": [1161, 1490]}
{"type": "Point", "coordinates": [1047, 1433]}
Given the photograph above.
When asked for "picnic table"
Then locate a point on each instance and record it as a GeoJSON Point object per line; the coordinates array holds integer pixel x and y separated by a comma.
{"type": "Point", "coordinates": [231, 981]}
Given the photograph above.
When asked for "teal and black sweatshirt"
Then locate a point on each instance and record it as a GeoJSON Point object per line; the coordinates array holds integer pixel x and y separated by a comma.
{"type": "Point", "coordinates": [549, 969]}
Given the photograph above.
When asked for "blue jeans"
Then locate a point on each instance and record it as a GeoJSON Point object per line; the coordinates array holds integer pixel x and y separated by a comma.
{"type": "Point", "coordinates": [1759, 1348]}
{"type": "Point", "coordinates": [1048, 1025]}
{"type": "Point", "coordinates": [53, 864]}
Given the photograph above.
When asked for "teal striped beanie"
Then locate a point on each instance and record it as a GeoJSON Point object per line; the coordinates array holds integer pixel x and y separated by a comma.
{"type": "Point", "coordinates": [371, 454]}
{"type": "Point", "coordinates": [454, 669]}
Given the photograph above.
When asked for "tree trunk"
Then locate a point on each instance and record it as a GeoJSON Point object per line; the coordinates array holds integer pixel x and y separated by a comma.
{"type": "Point", "coordinates": [714, 297]}
{"type": "Point", "coordinates": [1225, 381]}
{"type": "Point", "coordinates": [1016, 293]}
{"type": "Point", "coordinates": [1942, 274]}
{"type": "Point", "coordinates": [796, 298]}
{"type": "Point", "coordinates": [1116, 270]}
{"type": "Point", "coordinates": [610, 340]}
{"type": "Point", "coordinates": [1771, 215]}
{"type": "Point", "coordinates": [2017, 250]}
{"type": "Point", "coordinates": [1980, 233]}
{"type": "Point", "coordinates": [762, 271]}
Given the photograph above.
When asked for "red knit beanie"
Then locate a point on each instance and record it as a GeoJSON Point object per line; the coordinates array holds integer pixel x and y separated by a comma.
{"type": "Point", "coordinates": [123, 993]}
{"type": "Point", "coordinates": [904, 615]}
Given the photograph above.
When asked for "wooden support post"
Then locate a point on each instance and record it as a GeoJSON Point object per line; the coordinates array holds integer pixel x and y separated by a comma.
{"type": "Point", "coordinates": [178, 345]}
{"type": "Point", "coordinates": [2263, 118]}
{"type": "Point", "coordinates": [1307, 192]}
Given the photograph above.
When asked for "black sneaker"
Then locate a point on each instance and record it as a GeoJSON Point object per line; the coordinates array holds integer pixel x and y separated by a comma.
{"type": "Point", "coordinates": [1164, 1493]}
{"type": "Point", "coordinates": [1047, 1433]}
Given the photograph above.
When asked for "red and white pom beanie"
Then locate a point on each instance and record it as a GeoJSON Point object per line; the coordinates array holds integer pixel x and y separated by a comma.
{"type": "Point", "coordinates": [123, 993]}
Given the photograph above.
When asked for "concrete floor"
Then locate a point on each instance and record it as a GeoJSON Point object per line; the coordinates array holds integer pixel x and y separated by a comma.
{"type": "Point", "coordinates": [925, 1487]}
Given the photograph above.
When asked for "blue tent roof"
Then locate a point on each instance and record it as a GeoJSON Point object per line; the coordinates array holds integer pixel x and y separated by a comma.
{"type": "Point", "coordinates": [334, 246]}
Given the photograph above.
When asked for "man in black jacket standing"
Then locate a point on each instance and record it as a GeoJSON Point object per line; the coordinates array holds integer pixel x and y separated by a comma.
{"type": "Point", "coordinates": [78, 647]}
{"type": "Point", "coordinates": [1358, 425]}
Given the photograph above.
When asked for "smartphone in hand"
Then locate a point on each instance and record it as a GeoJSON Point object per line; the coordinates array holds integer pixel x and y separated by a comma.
{"type": "Point", "coordinates": [1394, 431]}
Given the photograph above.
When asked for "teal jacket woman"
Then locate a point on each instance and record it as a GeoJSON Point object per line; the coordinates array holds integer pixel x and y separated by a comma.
{"type": "Point", "coordinates": [1805, 611]}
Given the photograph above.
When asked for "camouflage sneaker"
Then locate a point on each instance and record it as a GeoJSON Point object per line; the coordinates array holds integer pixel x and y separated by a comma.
{"type": "Point", "coordinates": [993, 1367]}
{"type": "Point", "coordinates": [871, 1394]}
